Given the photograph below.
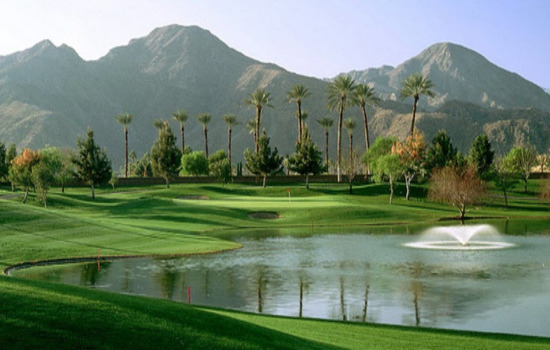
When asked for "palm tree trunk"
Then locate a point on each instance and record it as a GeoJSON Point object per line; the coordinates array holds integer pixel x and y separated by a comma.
{"type": "Point", "coordinates": [414, 115]}
{"type": "Point", "coordinates": [182, 132]}
{"type": "Point", "coordinates": [366, 127]}
{"type": "Point", "coordinates": [229, 147]}
{"type": "Point", "coordinates": [299, 121]}
{"type": "Point", "coordinates": [125, 152]}
{"type": "Point", "coordinates": [326, 148]}
{"type": "Point", "coordinates": [257, 135]}
{"type": "Point", "coordinates": [339, 145]}
{"type": "Point", "coordinates": [206, 140]}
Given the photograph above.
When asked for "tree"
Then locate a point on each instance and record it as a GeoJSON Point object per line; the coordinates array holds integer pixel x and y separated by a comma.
{"type": "Point", "coordinates": [194, 163]}
{"type": "Point", "coordinates": [366, 97]}
{"type": "Point", "coordinates": [91, 162]}
{"type": "Point", "coordinates": [258, 99]}
{"type": "Point", "coordinates": [481, 155]}
{"type": "Point", "coordinates": [341, 94]}
{"type": "Point", "coordinates": [543, 161]}
{"type": "Point", "coordinates": [218, 166]}
{"type": "Point", "coordinates": [441, 152]}
{"type": "Point", "coordinates": [412, 154]}
{"type": "Point", "coordinates": [143, 166]}
{"type": "Point", "coordinates": [59, 162]}
{"type": "Point", "coordinates": [545, 189]}
{"type": "Point", "coordinates": [159, 124]}
{"type": "Point", "coordinates": [390, 165]}
{"type": "Point", "coordinates": [326, 123]}
{"type": "Point", "coordinates": [125, 119]}
{"type": "Point", "coordinates": [349, 125]}
{"type": "Point", "coordinates": [381, 147]}
{"type": "Point", "coordinates": [42, 178]}
{"type": "Point", "coordinates": [10, 156]}
{"type": "Point", "coordinates": [504, 177]}
{"type": "Point", "coordinates": [415, 86]}
{"type": "Point", "coordinates": [522, 159]}
{"type": "Point", "coordinates": [251, 126]}
{"type": "Point", "coordinates": [264, 162]}
{"type": "Point", "coordinates": [204, 119]}
{"type": "Point", "coordinates": [350, 168]}
{"type": "Point", "coordinates": [296, 94]}
{"type": "Point", "coordinates": [21, 169]}
{"type": "Point", "coordinates": [458, 186]}
{"type": "Point", "coordinates": [4, 166]}
{"type": "Point", "coordinates": [165, 155]}
{"type": "Point", "coordinates": [181, 117]}
{"type": "Point", "coordinates": [231, 121]}
{"type": "Point", "coordinates": [307, 159]}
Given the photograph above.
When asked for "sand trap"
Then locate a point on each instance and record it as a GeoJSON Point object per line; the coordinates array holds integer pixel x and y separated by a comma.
{"type": "Point", "coordinates": [264, 215]}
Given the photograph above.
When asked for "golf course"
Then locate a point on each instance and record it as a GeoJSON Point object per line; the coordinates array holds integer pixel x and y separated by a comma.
{"type": "Point", "coordinates": [189, 219]}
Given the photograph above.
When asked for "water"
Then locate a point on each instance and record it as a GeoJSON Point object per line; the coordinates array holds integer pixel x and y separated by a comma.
{"type": "Point", "coordinates": [357, 277]}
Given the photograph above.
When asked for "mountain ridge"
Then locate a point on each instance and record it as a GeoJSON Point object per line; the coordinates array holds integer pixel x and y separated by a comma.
{"type": "Point", "coordinates": [50, 95]}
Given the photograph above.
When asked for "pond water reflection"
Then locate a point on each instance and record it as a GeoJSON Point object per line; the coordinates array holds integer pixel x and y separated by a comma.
{"type": "Point", "coordinates": [351, 276]}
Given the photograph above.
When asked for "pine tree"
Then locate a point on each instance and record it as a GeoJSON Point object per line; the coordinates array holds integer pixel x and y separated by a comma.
{"type": "Point", "coordinates": [165, 155]}
{"type": "Point", "coordinates": [307, 159]}
{"type": "Point", "coordinates": [264, 162]}
{"type": "Point", "coordinates": [92, 165]}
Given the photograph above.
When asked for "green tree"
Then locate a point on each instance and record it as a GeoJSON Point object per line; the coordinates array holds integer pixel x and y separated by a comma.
{"type": "Point", "coordinates": [326, 123]}
{"type": "Point", "coordinates": [91, 162]}
{"type": "Point", "coordinates": [165, 155]}
{"type": "Point", "coordinates": [204, 119]}
{"type": "Point", "coordinates": [341, 94]}
{"type": "Point", "coordinates": [125, 119]}
{"type": "Point", "coordinates": [59, 161]}
{"type": "Point", "coordinates": [10, 156]}
{"type": "Point", "coordinates": [381, 147]}
{"type": "Point", "coordinates": [522, 159]}
{"type": "Point", "coordinates": [297, 94]}
{"type": "Point", "coordinates": [181, 117]}
{"type": "Point", "coordinates": [264, 162]}
{"type": "Point", "coordinates": [415, 86]}
{"type": "Point", "coordinates": [481, 155]}
{"type": "Point", "coordinates": [21, 170]}
{"type": "Point", "coordinates": [441, 152]}
{"type": "Point", "coordinates": [258, 99]}
{"type": "Point", "coordinates": [366, 97]}
{"type": "Point", "coordinates": [505, 177]}
{"type": "Point", "coordinates": [390, 165]}
{"type": "Point", "coordinates": [218, 166]}
{"type": "Point", "coordinates": [194, 163]}
{"type": "Point", "coordinates": [231, 121]}
{"type": "Point", "coordinates": [42, 177]}
{"type": "Point", "coordinates": [307, 159]}
{"type": "Point", "coordinates": [143, 166]}
{"type": "Point", "coordinates": [4, 166]}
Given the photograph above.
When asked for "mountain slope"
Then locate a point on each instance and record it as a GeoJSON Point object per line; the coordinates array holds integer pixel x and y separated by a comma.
{"type": "Point", "coordinates": [49, 95]}
{"type": "Point", "coordinates": [459, 73]}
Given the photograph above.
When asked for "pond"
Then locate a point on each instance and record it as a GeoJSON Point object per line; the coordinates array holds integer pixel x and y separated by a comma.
{"type": "Point", "coordinates": [359, 275]}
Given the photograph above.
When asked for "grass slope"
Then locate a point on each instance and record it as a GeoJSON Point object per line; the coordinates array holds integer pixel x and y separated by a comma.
{"type": "Point", "coordinates": [154, 220]}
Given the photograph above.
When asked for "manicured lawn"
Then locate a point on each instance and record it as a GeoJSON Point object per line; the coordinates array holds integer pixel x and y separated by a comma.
{"type": "Point", "coordinates": [154, 220]}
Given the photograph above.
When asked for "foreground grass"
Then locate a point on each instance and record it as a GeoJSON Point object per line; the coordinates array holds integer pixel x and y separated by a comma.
{"type": "Point", "coordinates": [153, 220]}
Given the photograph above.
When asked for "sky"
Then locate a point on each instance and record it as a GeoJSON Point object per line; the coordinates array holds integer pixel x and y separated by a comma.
{"type": "Point", "coordinates": [315, 38]}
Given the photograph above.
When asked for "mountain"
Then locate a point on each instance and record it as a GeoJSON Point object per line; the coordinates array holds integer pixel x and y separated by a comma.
{"type": "Point", "coordinates": [459, 73]}
{"type": "Point", "coordinates": [49, 95]}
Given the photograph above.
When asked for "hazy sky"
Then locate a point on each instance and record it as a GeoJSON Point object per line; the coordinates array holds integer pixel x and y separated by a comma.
{"type": "Point", "coordinates": [316, 38]}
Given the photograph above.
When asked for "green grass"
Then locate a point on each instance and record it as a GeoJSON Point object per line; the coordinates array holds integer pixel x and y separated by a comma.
{"type": "Point", "coordinates": [157, 221]}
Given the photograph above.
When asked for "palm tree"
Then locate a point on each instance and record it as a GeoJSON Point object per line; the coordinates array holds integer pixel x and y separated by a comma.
{"type": "Point", "coordinates": [251, 126]}
{"type": "Point", "coordinates": [341, 94]}
{"type": "Point", "coordinates": [326, 123]}
{"type": "Point", "coordinates": [230, 120]}
{"type": "Point", "coordinates": [365, 97]}
{"type": "Point", "coordinates": [305, 114]}
{"type": "Point", "coordinates": [296, 94]}
{"type": "Point", "coordinates": [350, 124]}
{"type": "Point", "coordinates": [125, 119]}
{"type": "Point", "coordinates": [204, 119]}
{"type": "Point", "coordinates": [181, 117]}
{"type": "Point", "coordinates": [258, 99]}
{"type": "Point", "coordinates": [415, 86]}
{"type": "Point", "coordinates": [159, 124]}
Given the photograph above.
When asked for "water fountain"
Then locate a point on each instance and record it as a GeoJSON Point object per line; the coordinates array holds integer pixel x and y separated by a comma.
{"type": "Point", "coordinates": [461, 238]}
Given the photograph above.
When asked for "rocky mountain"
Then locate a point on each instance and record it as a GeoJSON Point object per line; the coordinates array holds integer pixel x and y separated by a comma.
{"type": "Point", "coordinates": [49, 95]}
{"type": "Point", "coordinates": [459, 73]}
